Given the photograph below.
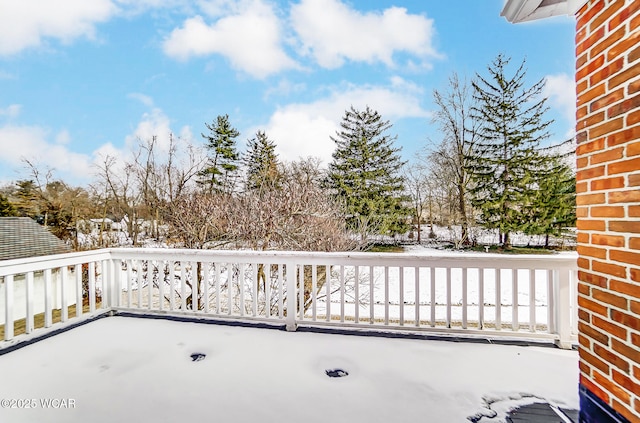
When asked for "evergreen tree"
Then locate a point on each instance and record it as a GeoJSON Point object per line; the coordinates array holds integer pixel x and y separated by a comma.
{"type": "Point", "coordinates": [505, 159]}
{"type": "Point", "coordinates": [261, 162]}
{"type": "Point", "coordinates": [218, 175]}
{"type": "Point", "coordinates": [365, 175]}
{"type": "Point", "coordinates": [552, 207]}
{"type": "Point", "coordinates": [6, 208]}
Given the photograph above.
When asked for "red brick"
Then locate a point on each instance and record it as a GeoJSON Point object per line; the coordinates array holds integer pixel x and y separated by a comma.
{"type": "Point", "coordinates": [591, 252]}
{"type": "Point", "coordinates": [589, 42]}
{"type": "Point", "coordinates": [609, 269]}
{"type": "Point", "coordinates": [590, 121]}
{"type": "Point", "coordinates": [609, 70]}
{"type": "Point", "coordinates": [622, 137]}
{"type": "Point", "coordinates": [586, 96]}
{"type": "Point", "coordinates": [590, 225]}
{"type": "Point", "coordinates": [634, 243]}
{"type": "Point", "coordinates": [634, 180]}
{"type": "Point", "coordinates": [609, 298]}
{"type": "Point", "coordinates": [633, 87]}
{"type": "Point", "coordinates": [625, 257]}
{"type": "Point", "coordinates": [581, 112]}
{"type": "Point", "coordinates": [585, 290]}
{"type": "Point", "coordinates": [607, 100]}
{"type": "Point", "coordinates": [628, 42]}
{"type": "Point", "coordinates": [586, 199]}
{"type": "Point", "coordinates": [582, 237]}
{"type": "Point", "coordinates": [583, 263]}
{"type": "Point", "coordinates": [608, 11]}
{"type": "Point", "coordinates": [625, 226]}
{"type": "Point", "coordinates": [592, 333]}
{"type": "Point", "coordinates": [633, 149]}
{"type": "Point", "coordinates": [632, 196]}
{"type": "Point", "coordinates": [630, 352]}
{"type": "Point", "coordinates": [623, 107]}
{"type": "Point", "coordinates": [624, 76]}
{"type": "Point", "coordinates": [635, 275]}
{"type": "Point", "coordinates": [615, 330]}
{"type": "Point", "coordinates": [611, 387]}
{"type": "Point", "coordinates": [581, 187]}
{"type": "Point", "coordinates": [594, 360]}
{"type": "Point", "coordinates": [583, 341]}
{"type": "Point", "coordinates": [610, 183]}
{"type": "Point", "coordinates": [585, 16]}
{"type": "Point", "coordinates": [634, 211]}
{"type": "Point", "coordinates": [593, 65]}
{"type": "Point", "coordinates": [633, 118]}
{"type": "Point", "coordinates": [607, 155]}
{"type": "Point", "coordinates": [594, 389]}
{"type": "Point", "coordinates": [634, 55]}
{"type": "Point", "coordinates": [624, 410]}
{"type": "Point", "coordinates": [583, 366]}
{"type": "Point", "coordinates": [625, 382]}
{"type": "Point", "coordinates": [625, 288]}
{"type": "Point", "coordinates": [582, 211]}
{"type": "Point", "coordinates": [610, 240]}
{"type": "Point", "coordinates": [606, 128]}
{"type": "Point", "coordinates": [590, 147]}
{"type": "Point", "coordinates": [623, 15]}
{"type": "Point", "coordinates": [592, 279]}
{"type": "Point", "coordinates": [581, 137]}
{"type": "Point", "coordinates": [635, 308]}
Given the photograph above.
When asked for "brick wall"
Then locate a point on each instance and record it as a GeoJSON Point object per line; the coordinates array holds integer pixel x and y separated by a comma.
{"type": "Point", "coordinates": [608, 186]}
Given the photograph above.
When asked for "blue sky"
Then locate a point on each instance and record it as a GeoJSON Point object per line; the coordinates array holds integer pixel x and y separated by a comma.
{"type": "Point", "coordinates": [81, 80]}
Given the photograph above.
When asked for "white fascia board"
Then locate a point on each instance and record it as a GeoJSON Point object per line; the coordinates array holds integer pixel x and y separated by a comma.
{"type": "Point", "coordinates": [527, 10]}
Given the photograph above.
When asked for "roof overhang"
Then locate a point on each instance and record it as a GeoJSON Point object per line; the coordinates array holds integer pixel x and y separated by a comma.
{"type": "Point", "coordinates": [528, 10]}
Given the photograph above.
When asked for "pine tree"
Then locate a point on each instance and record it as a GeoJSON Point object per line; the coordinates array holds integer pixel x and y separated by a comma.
{"type": "Point", "coordinates": [505, 158]}
{"type": "Point", "coordinates": [261, 162]}
{"type": "Point", "coordinates": [218, 175]}
{"type": "Point", "coordinates": [6, 208]}
{"type": "Point", "coordinates": [552, 207]}
{"type": "Point", "coordinates": [365, 175]}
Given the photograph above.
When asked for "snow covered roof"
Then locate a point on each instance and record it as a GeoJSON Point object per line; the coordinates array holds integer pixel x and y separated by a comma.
{"type": "Point", "coordinates": [22, 237]}
{"type": "Point", "coordinates": [132, 369]}
{"type": "Point", "coordinates": [527, 10]}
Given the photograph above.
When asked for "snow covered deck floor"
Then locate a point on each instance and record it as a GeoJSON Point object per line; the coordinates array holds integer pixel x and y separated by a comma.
{"type": "Point", "coordinates": [123, 369]}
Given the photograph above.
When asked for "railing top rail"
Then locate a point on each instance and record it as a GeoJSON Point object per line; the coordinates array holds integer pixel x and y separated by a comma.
{"type": "Point", "coordinates": [455, 259]}
{"type": "Point", "coordinates": [32, 264]}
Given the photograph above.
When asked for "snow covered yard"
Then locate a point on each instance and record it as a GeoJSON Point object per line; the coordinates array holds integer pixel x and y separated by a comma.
{"type": "Point", "coordinates": [123, 369]}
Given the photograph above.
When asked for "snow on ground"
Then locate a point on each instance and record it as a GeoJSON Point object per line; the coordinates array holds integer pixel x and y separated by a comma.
{"type": "Point", "coordinates": [122, 369]}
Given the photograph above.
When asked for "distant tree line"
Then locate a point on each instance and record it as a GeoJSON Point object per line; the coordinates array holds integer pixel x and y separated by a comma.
{"type": "Point", "coordinates": [489, 169]}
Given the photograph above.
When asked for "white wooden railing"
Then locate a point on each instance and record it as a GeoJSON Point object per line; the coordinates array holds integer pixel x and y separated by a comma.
{"type": "Point", "coordinates": [487, 295]}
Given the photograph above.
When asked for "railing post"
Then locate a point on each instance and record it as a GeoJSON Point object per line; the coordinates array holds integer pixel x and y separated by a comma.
{"type": "Point", "coordinates": [563, 308]}
{"type": "Point", "coordinates": [290, 320]}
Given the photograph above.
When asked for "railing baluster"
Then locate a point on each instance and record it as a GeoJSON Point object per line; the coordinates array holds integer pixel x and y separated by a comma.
{"type": "Point", "coordinates": [139, 282]}
{"type": "Point", "coordinates": [79, 305]}
{"type": "Point", "coordinates": [551, 302]}
{"type": "Point", "coordinates": [47, 299]}
{"type": "Point", "coordinates": [342, 288]}
{"type": "Point", "coordinates": [129, 264]}
{"type": "Point", "coordinates": [230, 288]}
{"type": "Point", "coordinates": [401, 296]}
{"type": "Point", "coordinates": [371, 297]}
{"type": "Point", "coordinates": [117, 283]}
{"type": "Point", "coordinates": [162, 280]}
{"type": "Point", "coordinates": [464, 298]}
{"type": "Point", "coordinates": [255, 292]}
{"type": "Point", "coordinates": [498, 299]}
{"type": "Point", "coordinates": [314, 287]}
{"type": "Point", "coordinates": [183, 285]}
{"type": "Point", "coordinates": [327, 283]}
{"type": "Point", "coordinates": [8, 308]}
{"type": "Point", "coordinates": [301, 291]}
{"type": "Point", "coordinates": [514, 300]}
{"type": "Point", "coordinates": [241, 287]}
{"type": "Point", "coordinates": [92, 286]}
{"type": "Point", "coordinates": [195, 289]}
{"type": "Point", "coordinates": [172, 283]}
{"type": "Point", "coordinates": [386, 295]}
{"type": "Point", "coordinates": [29, 291]}
{"type": "Point", "coordinates": [356, 294]}
{"type": "Point", "coordinates": [280, 293]}
{"type": "Point", "coordinates": [432, 276]}
{"type": "Point", "coordinates": [448, 319]}
{"type": "Point", "coordinates": [149, 277]}
{"type": "Point", "coordinates": [216, 279]}
{"type": "Point", "coordinates": [64, 311]}
{"type": "Point", "coordinates": [532, 300]}
{"type": "Point", "coordinates": [205, 294]}
{"type": "Point", "coordinates": [267, 289]}
{"type": "Point", "coordinates": [480, 298]}
{"type": "Point", "coordinates": [417, 294]}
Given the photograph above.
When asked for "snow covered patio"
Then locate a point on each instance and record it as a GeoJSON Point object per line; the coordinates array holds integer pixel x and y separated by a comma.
{"type": "Point", "coordinates": [122, 369]}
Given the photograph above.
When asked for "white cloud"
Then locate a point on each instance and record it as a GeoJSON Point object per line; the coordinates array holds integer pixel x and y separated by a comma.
{"type": "Point", "coordinates": [561, 91]}
{"type": "Point", "coordinates": [332, 32]}
{"type": "Point", "coordinates": [34, 143]}
{"type": "Point", "coordinates": [142, 98]}
{"type": "Point", "coordinates": [27, 23]}
{"type": "Point", "coordinates": [303, 129]}
{"type": "Point", "coordinates": [251, 40]}
{"type": "Point", "coordinates": [12, 111]}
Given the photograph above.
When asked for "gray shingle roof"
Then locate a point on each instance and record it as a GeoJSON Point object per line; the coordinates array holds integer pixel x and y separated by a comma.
{"type": "Point", "coordinates": [22, 237]}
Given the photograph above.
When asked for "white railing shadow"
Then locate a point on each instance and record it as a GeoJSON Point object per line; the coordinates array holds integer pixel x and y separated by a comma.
{"type": "Point", "coordinates": [485, 295]}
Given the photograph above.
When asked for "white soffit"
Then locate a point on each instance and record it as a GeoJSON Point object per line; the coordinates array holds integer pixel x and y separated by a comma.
{"type": "Point", "coordinates": [528, 10]}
